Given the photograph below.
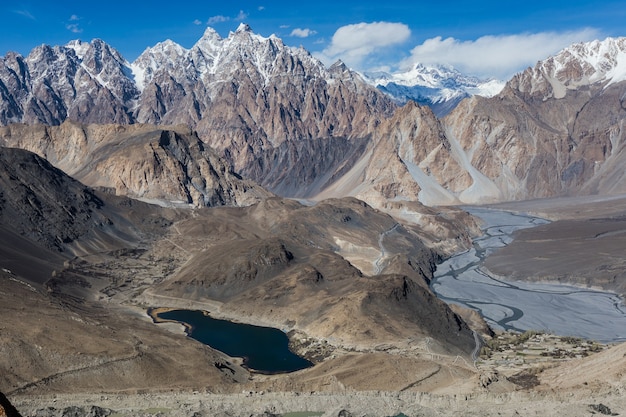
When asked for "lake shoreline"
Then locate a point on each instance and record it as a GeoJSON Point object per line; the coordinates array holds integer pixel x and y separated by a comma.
{"type": "Point", "coordinates": [271, 353]}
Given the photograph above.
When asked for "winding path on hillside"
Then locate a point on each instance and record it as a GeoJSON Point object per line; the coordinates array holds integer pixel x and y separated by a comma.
{"type": "Point", "coordinates": [378, 263]}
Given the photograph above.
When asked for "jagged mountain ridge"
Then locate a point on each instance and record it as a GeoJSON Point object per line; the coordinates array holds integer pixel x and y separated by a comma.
{"type": "Point", "coordinates": [56, 83]}
{"type": "Point", "coordinates": [280, 117]}
{"type": "Point", "coordinates": [249, 97]}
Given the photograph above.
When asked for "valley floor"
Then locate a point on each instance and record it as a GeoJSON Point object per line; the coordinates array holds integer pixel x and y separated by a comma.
{"type": "Point", "coordinates": [513, 377]}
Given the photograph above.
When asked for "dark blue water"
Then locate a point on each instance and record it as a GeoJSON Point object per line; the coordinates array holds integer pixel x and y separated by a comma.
{"type": "Point", "coordinates": [264, 349]}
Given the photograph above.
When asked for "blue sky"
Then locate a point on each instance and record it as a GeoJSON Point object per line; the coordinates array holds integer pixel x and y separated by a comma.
{"type": "Point", "coordinates": [487, 38]}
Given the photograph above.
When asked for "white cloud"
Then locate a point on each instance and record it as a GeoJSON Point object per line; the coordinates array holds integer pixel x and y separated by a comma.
{"type": "Point", "coordinates": [495, 56]}
{"type": "Point", "coordinates": [241, 16]}
{"type": "Point", "coordinates": [284, 26]}
{"type": "Point", "coordinates": [354, 43]}
{"type": "Point", "coordinates": [261, 8]}
{"type": "Point", "coordinates": [25, 13]}
{"type": "Point", "coordinates": [197, 22]}
{"type": "Point", "coordinates": [74, 27]}
{"type": "Point", "coordinates": [217, 19]}
{"type": "Point", "coordinates": [302, 33]}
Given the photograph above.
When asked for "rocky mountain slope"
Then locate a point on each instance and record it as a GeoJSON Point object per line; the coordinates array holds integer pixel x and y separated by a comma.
{"type": "Point", "coordinates": [56, 332]}
{"type": "Point", "coordinates": [47, 217]}
{"type": "Point", "coordinates": [555, 129]}
{"type": "Point", "coordinates": [141, 161]}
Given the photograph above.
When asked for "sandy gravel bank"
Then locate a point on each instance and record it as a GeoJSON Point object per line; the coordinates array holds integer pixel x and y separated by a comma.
{"type": "Point", "coordinates": [573, 403]}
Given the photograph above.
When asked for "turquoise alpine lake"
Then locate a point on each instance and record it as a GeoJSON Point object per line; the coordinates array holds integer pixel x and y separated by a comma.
{"type": "Point", "coordinates": [263, 349]}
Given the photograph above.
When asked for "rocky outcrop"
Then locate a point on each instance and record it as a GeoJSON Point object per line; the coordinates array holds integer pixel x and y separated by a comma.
{"type": "Point", "coordinates": [6, 408]}
{"type": "Point", "coordinates": [140, 161]}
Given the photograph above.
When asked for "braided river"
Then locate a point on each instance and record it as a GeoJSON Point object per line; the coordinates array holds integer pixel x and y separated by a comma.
{"type": "Point", "coordinates": [564, 310]}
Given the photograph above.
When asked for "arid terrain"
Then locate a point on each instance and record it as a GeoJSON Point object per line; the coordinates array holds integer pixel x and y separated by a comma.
{"type": "Point", "coordinates": [131, 187]}
{"type": "Point", "coordinates": [82, 338]}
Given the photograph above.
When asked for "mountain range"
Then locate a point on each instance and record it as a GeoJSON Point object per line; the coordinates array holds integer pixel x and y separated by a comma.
{"type": "Point", "coordinates": [279, 117]}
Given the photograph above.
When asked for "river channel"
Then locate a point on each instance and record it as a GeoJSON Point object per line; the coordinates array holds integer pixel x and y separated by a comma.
{"type": "Point", "coordinates": [513, 305]}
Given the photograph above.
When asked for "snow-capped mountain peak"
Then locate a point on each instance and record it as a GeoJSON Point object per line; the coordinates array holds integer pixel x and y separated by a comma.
{"type": "Point", "coordinates": [599, 61]}
{"type": "Point", "coordinates": [164, 54]}
{"type": "Point", "coordinates": [440, 86]}
{"type": "Point", "coordinates": [210, 34]}
{"type": "Point", "coordinates": [578, 65]}
{"type": "Point", "coordinates": [243, 27]}
{"type": "Point", "coordinates": [79, 47]}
